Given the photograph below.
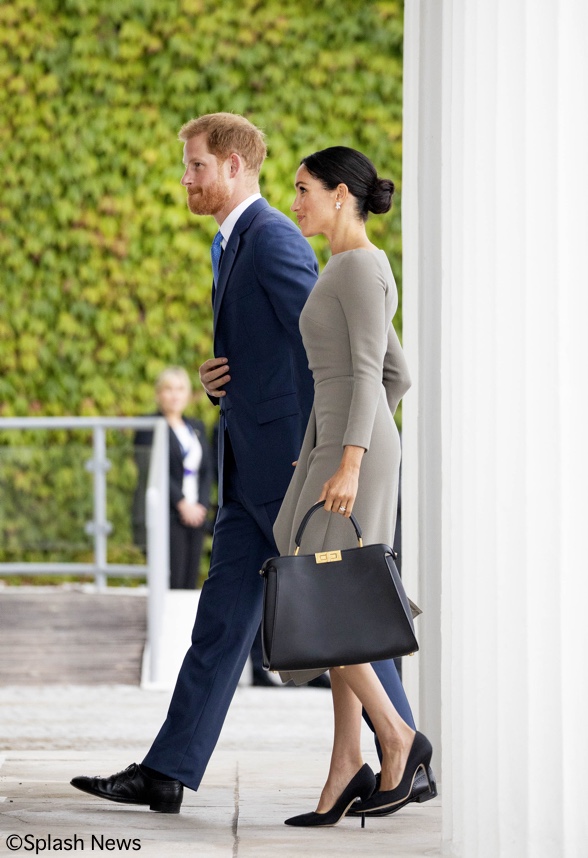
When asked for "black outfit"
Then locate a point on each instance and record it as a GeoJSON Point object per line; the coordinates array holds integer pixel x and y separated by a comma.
{"type": "Point", "coordinates": [185, 543]}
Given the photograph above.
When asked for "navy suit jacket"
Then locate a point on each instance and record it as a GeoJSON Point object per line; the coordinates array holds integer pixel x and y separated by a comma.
{"type": "Point", "coordinates": [266, 274]}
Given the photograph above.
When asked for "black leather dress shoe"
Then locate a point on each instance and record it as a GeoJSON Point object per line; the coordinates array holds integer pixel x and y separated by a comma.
{"type": "Point", "coordinates": [261, 680]}
{"type": "Point", "coordinates": [134, 786]}
{"type": "Point", "coordinates": [421, 791]}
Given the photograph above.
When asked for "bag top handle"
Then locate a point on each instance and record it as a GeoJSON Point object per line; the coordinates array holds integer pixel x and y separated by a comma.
{"type": "Point", "coordinates": [311, 512]}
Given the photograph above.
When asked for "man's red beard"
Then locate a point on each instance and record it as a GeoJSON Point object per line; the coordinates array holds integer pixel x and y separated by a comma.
{"type": "Point", "coordinates": [210, 200]}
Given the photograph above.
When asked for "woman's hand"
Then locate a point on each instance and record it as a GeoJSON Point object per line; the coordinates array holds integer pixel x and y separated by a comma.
{"type": "Point", "coordinates": [191, 514]}
{"type": "Point", "coordinates": [340, 491]}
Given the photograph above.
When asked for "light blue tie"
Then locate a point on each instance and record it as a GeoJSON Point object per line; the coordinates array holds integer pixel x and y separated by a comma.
{"type": "Point", "coordinates": [216, 252]}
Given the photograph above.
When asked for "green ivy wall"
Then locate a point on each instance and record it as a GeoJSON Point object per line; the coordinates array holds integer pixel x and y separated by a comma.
{"type": "Point", "coordinates": [105, 276]}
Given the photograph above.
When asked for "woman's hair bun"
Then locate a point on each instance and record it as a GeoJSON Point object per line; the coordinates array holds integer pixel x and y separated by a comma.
{"type": "Point", "coordinates": [379, 200]}
{"type": "Point", "coordinates": [342, 165]}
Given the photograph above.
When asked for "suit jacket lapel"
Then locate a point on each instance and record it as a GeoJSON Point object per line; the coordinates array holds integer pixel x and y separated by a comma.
{"type": "Point", "coordinates": [231, 252]}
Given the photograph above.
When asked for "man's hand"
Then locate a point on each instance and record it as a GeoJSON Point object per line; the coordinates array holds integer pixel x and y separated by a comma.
{"type": "Point", "coordinates": [214, 373]}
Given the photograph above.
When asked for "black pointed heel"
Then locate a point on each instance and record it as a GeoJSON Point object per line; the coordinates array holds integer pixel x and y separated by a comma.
{"type": "Point", "coordinates": [419, 759]}
{"type": "Point", "coordinates": [361, 786]}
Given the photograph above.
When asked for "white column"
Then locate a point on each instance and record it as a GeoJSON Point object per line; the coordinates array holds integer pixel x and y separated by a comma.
{"type": "Point", "coordinates": [421, 309]}
{"type": "Point", "coordinates": [513, 392]}
{"type": "Point", "coordinates": [572, 138]}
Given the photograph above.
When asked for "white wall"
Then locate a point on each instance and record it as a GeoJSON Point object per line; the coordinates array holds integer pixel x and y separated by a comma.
{"type": "Point", "coordinates": [421, 410]}
{"type": "Point", "coordinates": [508, 223]}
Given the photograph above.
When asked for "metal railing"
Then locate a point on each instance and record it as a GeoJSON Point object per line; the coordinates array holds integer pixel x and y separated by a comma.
{"type": "Point", "coordinates": [157, 516]}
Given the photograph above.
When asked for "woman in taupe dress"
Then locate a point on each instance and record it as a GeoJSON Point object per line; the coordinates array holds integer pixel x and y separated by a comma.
{"type": "Point", "coordinates": [351, 454]}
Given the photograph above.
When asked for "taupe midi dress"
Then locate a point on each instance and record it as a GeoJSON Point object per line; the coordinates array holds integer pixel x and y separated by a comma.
{"type": "Point", "coordinates": [360, 375]}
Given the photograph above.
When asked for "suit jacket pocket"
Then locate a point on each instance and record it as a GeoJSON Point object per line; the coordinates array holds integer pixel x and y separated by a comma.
{"type": "Point", "coordinates": [279, 406]}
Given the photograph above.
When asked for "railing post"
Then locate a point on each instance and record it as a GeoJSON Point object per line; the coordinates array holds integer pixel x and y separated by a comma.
{"type": "Point", "coordinates": [157, 516]}
{"type": "Point", "coordinates": [99, 527]}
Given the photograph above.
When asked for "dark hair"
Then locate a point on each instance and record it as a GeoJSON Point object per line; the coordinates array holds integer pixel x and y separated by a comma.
{"type": "Point", "coordinates": [342, 165]}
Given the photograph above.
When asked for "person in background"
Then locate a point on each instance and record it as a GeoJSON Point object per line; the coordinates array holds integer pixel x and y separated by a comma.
{"type": "Point", "coordinates": [190, 478]}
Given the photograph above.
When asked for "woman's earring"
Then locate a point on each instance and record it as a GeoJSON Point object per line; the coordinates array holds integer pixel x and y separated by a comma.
{"type": "Point", "coordinates": [337, 205]}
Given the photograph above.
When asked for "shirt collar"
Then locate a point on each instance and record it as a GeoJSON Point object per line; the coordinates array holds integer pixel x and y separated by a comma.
{"type": "Point", "coordinates": [227, 226]}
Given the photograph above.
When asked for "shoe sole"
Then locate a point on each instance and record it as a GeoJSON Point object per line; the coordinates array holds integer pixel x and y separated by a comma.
{"type": "Point", "coordinates": [163, 807]}
{"type": "Point", "coordinates": [427, 795]}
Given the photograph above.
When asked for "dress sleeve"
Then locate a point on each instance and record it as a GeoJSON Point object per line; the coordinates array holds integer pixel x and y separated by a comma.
{"type": "Point", "coordinates": [362, 294]}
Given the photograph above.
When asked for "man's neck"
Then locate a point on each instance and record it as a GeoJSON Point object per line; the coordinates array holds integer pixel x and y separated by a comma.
{"type": "Point", "coordinates": [235, 201]}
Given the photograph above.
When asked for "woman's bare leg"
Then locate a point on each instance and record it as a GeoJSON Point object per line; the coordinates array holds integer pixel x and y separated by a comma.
{"type": "Point", "coordinates": [394, 734]}
{"type": "Point", "coordinates": [346, 759]}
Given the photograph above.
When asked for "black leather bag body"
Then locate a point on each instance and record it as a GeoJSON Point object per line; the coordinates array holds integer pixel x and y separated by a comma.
{"type": "Point", "coordinates": [334, 608]}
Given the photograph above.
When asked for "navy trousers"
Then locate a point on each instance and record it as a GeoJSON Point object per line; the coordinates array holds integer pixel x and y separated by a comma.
{"type": "Point", "coordinates": [229, 613]}
{"type": "Point", "coordinates": [228, 616]}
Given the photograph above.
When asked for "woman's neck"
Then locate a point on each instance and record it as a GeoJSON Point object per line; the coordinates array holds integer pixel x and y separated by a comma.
{"type": "Point", "coordinates": [349, 236]}
{"type": "Point", "coordinates": [174, 420]}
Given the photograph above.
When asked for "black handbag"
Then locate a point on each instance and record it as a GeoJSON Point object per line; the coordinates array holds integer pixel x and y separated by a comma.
{"type": "Point", "coordinates": [335, 607]}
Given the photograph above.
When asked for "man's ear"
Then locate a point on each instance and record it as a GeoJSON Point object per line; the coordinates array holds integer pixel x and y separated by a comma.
{"type": "Point", "coordinates": [235, 164]}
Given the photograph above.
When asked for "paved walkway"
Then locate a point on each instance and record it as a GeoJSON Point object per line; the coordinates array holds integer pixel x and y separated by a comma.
{"type": "Point", "coordinates": [270, 763]}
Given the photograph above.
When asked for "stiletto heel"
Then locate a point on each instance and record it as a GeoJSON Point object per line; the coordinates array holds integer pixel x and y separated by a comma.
{"type": "Point", "coordinates": [418, 758]}
{"type": "Point", "coordinates": [361, 786]}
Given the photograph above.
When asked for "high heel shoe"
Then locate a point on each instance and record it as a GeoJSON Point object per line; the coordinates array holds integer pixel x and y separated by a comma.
{"type": "Point", "coordinates": [361, 786]}
{"type": "Point", "coordinates": [423, 789]}
{"type": "Point", "coordinates": [419, 759]}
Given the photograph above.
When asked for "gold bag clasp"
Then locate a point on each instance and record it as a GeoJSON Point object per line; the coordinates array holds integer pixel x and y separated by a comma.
{"type": "Point", "coordinates": [327, 556]}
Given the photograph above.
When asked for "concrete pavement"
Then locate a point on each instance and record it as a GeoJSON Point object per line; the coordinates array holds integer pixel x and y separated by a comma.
{"type": "Point", "coordinates": [270, 763]}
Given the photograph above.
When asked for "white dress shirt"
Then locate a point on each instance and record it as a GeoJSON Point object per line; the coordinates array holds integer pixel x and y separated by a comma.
{"type": "Point", "coordinates": [192, 457]}
{"type": "Point", "coordinates": [231, 219]}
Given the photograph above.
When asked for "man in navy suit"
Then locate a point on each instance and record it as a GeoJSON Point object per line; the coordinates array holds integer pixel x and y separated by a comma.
{"type": "Point", "coordinates": [261, 380]}
{"type": "Point", "coordinates": [264, 270]}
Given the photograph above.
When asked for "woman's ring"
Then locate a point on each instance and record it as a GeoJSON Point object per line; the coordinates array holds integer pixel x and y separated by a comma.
{"type": "Point", "coordinates": [342, 509]}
